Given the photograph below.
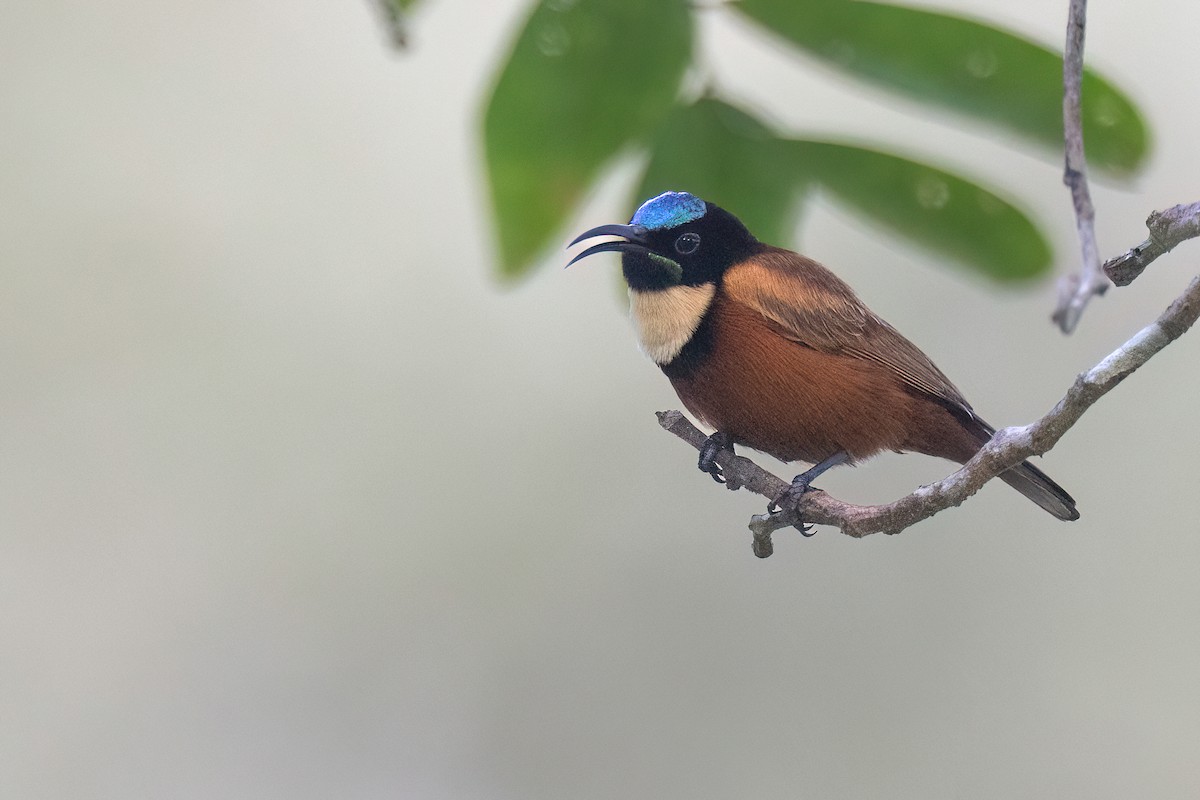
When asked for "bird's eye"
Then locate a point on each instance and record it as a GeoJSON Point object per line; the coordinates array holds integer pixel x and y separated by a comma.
{"type": "Point", "coordinates": [687, 244]}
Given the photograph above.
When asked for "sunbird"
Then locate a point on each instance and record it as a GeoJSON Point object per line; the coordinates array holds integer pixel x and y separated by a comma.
{"type": "Point", "coordinates": [775, 352]}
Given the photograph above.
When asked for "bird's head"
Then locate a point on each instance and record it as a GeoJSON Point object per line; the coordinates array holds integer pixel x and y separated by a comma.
{"type": "Point", "coordinates": [675, 239]}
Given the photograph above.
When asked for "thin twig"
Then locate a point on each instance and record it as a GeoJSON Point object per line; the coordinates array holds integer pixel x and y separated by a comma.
{"type": "Point", "coordinates": [1076, 289]}
{"type": "Point", "coordinates": [394, 21]}
{"type": "Point", "coordinates": [1006, 449]}
{"type": "Point", "coordinates": [1167, 229]}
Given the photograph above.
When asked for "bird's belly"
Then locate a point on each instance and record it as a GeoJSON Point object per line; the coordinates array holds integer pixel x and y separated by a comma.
{"type": "Point", "coordinates": [788, 400]}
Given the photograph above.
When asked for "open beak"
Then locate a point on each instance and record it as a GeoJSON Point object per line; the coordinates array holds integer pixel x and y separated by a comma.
{"type": "Point", "coordinates": [634, 240]}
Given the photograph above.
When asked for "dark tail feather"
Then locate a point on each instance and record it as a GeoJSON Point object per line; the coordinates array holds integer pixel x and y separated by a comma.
{"type": "Point", "coordinates": [1024, 477]}
{"type": "Point", "coordinates": [1037, 486]}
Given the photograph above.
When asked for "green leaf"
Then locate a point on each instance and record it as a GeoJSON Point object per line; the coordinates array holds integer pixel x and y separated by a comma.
{"type": "Point", "coordinates": [719, 152]}
{"type": "Point", "coordinates": [723, 154]}
{"type": "Point", "coordinates": [931, 207]}
{"type": "Point", "coordinates": [973, 68]}
{"type": "Point", "coordinates": [585, 78]}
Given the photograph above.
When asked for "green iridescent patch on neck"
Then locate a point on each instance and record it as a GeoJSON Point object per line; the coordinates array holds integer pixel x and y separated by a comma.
{"type": "Point", "coordinates": [672, 268]}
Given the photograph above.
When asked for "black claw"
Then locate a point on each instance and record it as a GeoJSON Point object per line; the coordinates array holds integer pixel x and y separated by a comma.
{"type": "Point", "coordinates": [774, 507]}
{"type": "Point", "coordinates": [708, 455]}
{"type": "Point", "coordinates": [712, 468]}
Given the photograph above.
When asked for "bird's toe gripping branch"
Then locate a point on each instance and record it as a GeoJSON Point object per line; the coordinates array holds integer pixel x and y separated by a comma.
{"type": "Point", "coordinates": [708, 454]}
{"type": "Point", "coordinates": [801, 484]}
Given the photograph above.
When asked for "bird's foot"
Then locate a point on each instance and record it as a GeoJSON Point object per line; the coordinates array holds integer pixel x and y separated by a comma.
{"type": "Point", "coordinates": [789, 499]}
{"type": "Point", "coordinates": [786, 501]}
{"type": "Point", "coordinates": [801, 485]}
{"type": "Point", "coordinates": [708, 454]}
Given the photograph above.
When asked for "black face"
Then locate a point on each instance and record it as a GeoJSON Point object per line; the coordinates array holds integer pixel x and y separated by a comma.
{"type": "Point", "coordinates": [696, 252]}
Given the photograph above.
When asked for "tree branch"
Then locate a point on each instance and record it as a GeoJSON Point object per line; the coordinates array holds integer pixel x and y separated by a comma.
{"type": "Point", "coordinates": [1006, 449]}
{"type": "Point", "coordinates": [1167, 229]}
{"type": "Point", "coordinates": [1077, 289]}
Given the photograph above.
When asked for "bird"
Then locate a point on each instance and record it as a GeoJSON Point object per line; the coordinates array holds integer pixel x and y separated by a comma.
{"type": "Point", "coordinates": [774, 352]}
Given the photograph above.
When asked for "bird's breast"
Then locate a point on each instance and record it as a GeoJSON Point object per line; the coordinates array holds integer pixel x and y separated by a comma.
{"type": "Point", "coordinates": [741, 376]}
{"type": "Point", "coordinates": [667, 319]}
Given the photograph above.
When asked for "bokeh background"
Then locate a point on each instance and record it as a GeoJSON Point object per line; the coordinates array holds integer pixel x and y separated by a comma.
{"type": "Point", "coordinates": [297, 502]}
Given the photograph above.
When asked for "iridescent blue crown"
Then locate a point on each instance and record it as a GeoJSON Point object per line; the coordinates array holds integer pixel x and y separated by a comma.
{"type": "Point", "coordinates": [668, 210]}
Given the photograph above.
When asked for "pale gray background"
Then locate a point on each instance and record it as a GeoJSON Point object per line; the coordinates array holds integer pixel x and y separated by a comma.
{"type": "Point", "coordinates": [295, 502]}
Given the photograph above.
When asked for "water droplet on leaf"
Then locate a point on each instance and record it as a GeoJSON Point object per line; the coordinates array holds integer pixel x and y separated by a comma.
{"type": "Point", "coordinates": [982, 63]}
{"type": "Point", "coordinates": [553, 40]}
{"type": "Point", "coordinates": [932, 193]}
{"type": "Point", "coordinates": [1104, 113]}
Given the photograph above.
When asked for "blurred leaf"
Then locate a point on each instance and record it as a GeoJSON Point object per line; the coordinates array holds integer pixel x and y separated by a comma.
{"type": "Point", "coordinates": [723, 154]}
{"type": "Point", "coordinates": [964, 65]}
{"type": "Point", "coordinates": [719, 152]}
{"type": "Point", "coordinates": [585, 78]}
{"type": "Point", "coordinates": [946, 213]}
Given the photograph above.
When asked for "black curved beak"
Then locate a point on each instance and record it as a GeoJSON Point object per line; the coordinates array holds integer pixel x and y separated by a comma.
{"type": "Point", "coordinates": [634, 240]}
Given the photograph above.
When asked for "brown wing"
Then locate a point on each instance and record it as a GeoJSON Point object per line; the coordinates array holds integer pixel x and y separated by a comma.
{"type": "Point", "coordinates": [812, 306]}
